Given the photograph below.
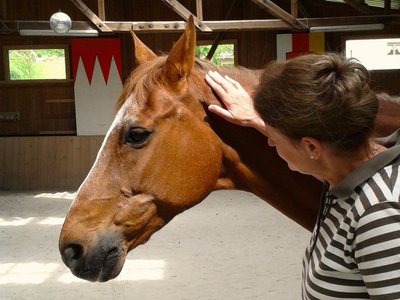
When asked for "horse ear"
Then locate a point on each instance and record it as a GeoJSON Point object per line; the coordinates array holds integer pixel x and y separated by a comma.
{"type": "Point", "coordinates": [141, 52]}
{"type": "Point", "coordinates": [181, 57]}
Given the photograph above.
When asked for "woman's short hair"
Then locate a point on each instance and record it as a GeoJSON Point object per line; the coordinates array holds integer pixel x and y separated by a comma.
{"type": "Point", "coordinates": [322, 96]}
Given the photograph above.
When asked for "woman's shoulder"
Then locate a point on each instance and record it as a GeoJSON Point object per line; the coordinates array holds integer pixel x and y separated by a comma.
{"type": "Point", "coordinates": [379, 193]}
{"type": "Point", "coordinates": [383, 186]}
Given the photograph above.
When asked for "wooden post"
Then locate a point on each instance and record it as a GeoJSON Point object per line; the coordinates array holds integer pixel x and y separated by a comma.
{"type": "Point", "coordinates": [102, 11]}
{"type": "Point", "coordinates": [388, 4]}
{"type": "Point", "coordinates": [294, 8]}
{"type": "Point", "coordinates": [199, 9]}
{"type": "Point", "coordinates": [185, 13]}
{"type": "Point", "coordinates": [281, 14]}
{"type": "Point", "coordinates": [91, 15]}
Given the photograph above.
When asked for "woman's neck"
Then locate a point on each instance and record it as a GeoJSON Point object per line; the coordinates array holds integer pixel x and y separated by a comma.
{"type": "Point", "coordinates": [336, 168]}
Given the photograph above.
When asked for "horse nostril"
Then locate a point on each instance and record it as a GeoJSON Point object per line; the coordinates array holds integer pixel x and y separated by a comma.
{"type": "Point", "coordinates": [72, 255]}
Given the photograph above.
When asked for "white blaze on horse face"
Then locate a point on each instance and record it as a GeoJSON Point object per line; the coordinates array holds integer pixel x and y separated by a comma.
{"type": "Point", "coordinates": [118, 122]}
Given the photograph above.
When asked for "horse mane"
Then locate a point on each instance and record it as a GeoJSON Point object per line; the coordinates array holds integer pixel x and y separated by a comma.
{"type": "Point", "coordinates": [382, 96]}
{"type": "Point", "coordinates": [146, 76]}
{"type": "Point", "coordinates": [140, 79]}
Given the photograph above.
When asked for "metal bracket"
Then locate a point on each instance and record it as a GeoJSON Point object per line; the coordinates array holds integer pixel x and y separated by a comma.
{"type": "Point", "coordinates": [91, 15]}
{"type": "Point", "coordinates": [185, 13]}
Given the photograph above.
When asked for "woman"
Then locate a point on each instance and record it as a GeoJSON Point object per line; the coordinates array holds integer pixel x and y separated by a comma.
{"type": "Point", "coordinates": [318, 112]}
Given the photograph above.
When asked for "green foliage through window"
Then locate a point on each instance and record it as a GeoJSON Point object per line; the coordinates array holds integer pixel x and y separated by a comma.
{"type": "Point", "coordinates": [28, 64]}
{"type": "Point", "coordinates": [223, 56]}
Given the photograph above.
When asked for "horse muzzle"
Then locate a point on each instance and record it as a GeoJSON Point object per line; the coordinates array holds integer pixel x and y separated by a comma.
{"type": "Point", "coordinates": [101, 262]}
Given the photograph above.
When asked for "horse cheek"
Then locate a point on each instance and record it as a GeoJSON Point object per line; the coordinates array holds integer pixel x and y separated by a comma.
{"type": "Point", "coordinates": [199, 167]}
{"type": "Point", "coordinates": [185, 171]}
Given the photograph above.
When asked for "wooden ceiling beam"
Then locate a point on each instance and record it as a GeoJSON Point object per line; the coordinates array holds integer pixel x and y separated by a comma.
{"type": "Point", "coordinates": [228, 25]}
{"type": "Point", "coordinates": [360, 6]}
{"type": "Point", "coordinates": [304, 12]}
{"type": "Point", "coordinates": [100, 24]}
{"type": "Point", "coordinates": [101, 9]}
{"type": "Point", "coordinates": [278, 12]}
{"type": "Point", "coordinates": [199, 9]}
{"type": "Point", "coordinates": [185, 13]}
{"type": "Point", "coordinates": [3, 10]}
{"type": "Point", "coordinates": [270, 24]}
{"type": "Point", "coordinates": [220, 34]}
{"type": "Point", "coordinates": [387, 6]}
{"type": "Point", "coordinates": [294, 9]}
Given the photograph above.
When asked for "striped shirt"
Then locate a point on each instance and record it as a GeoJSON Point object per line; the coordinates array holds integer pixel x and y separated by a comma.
{"type": "Point", "coordinates": [354, 252]}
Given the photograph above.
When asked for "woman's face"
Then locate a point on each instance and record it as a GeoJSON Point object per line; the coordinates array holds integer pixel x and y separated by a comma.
{"type": "Point", "coordinates": [291, 151]}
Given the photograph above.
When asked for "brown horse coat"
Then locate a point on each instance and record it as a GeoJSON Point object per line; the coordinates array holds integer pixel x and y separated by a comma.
{"type": "Point", "coordinates": [165, 152]}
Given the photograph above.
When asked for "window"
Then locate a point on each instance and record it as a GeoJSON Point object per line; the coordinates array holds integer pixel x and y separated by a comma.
{"type": "Point", "coordinates": [375, 54]}
{"type": "Point", "coordinates": [36, 63]}
{"type": "Point", "coordinates": [224, 56]}
{"type": "Point", "coordinates": [394, 4]}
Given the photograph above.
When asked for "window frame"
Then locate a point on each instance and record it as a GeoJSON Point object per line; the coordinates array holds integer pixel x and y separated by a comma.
{"type": "Point", "coordinates": [368, 37]}
{"type": "Point", "coordinates": [6, 63]}
{"type": "Point", "coordinates": [221, 42]}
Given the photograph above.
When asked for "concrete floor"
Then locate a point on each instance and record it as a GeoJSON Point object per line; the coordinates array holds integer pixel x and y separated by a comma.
{"type": "Point", "coordinates": [231, 246]}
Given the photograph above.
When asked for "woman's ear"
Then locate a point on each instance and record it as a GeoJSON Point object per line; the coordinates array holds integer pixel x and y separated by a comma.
{"type": "Point", "coordinates": [311, 146]}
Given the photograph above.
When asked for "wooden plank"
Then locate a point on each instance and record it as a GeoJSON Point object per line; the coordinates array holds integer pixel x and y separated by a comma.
{"type": "Point", "coordinates": [45, 181]}
{"type": "Point", "coordinates": [4, 160]}
{"type": "Point", "coordinates": [3, 10]}
{"type": "Point", "coordinates": [46, 163]}
{"type": "Point", "coordinates": [101, 9]}
{"type": "Point", "coordinates": [236, 25]}
{"type": "Point", "coordinates": [84, 158]}
{"type": "Point", "coordinates": [219, 36]}
{"type": "Point", "coordinates": [360, 6]}
{"type": "Point", "coordinates": [280, 13]}
{"type": "Point", "coordinates": [185, 13]}
{"type": "Point", "coordinates": [304, 12]}
{"type": "Point", "coordinates": [69, 160]}
{"type": "Point", "coordinates": [240, 25]}
{"type": "Point", "coordinates": [33, 160]}
{"type": "Point", "coordinates": [17, 166]}
{"type": "Point", "coordinates": [178, 26]}
{"type": "Point", "coordinates": [59, 101]}
{"type": "Point", "coordinates": [387, 6]}
{"type": "Point", "coordinates": [100, 24]}
{"type": "Point", "coordinates": [75, 157]}
{"type": "Point", "coordinates": [199, 9]}
{"type": "Point", "coordinates": [294, 8]}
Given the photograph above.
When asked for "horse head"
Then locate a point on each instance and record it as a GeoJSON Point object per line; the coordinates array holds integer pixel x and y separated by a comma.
{"type": "Point", "coordinates": [159, 158]}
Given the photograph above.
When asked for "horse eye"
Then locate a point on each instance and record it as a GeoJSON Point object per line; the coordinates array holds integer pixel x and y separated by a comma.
{"type": "Point", "coordinates": [137, 136]}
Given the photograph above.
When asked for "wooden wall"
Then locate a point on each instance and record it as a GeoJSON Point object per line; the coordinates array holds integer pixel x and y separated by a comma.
{"type": "Point", "coordinates": [46, 163]}
{"type": "Point", "coordinates": [47, 108]}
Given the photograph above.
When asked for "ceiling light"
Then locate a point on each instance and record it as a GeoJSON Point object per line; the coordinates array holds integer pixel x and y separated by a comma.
{"type": "Point", "coordinates": [60, 22]}
{"type": "Point", "coordinates": [339, 28]}
{"type": "Point", "coordinates": [44, 32]}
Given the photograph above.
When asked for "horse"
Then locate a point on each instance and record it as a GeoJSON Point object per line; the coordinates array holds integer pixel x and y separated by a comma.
{"type": "Point", "coordinates": [164, 153]}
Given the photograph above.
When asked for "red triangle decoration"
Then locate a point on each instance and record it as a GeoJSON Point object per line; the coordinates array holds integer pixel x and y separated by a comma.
{"type": "Point", "coordinates": [88, 49]}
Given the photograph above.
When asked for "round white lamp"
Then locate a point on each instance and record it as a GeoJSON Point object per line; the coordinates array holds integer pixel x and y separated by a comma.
{"type": "Point", "coordinates": [60, 22]}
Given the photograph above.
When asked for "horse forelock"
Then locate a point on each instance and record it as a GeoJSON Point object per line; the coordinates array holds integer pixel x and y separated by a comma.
{"type": "Point", "coordinates": [139, 81]}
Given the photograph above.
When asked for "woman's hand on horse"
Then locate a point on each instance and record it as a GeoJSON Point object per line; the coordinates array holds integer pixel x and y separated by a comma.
{"type": "Point", "coordinates": [239, 105]}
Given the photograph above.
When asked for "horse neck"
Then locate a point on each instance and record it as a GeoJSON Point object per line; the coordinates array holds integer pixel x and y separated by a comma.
{"type": "Point", "coordinates": [251, 165]}
{"type": "Point", "coordinates": [387, 119]}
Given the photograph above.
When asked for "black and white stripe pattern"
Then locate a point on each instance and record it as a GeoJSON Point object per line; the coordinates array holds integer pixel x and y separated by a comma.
{"type": "Point", "coordinates": [357, 251]}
